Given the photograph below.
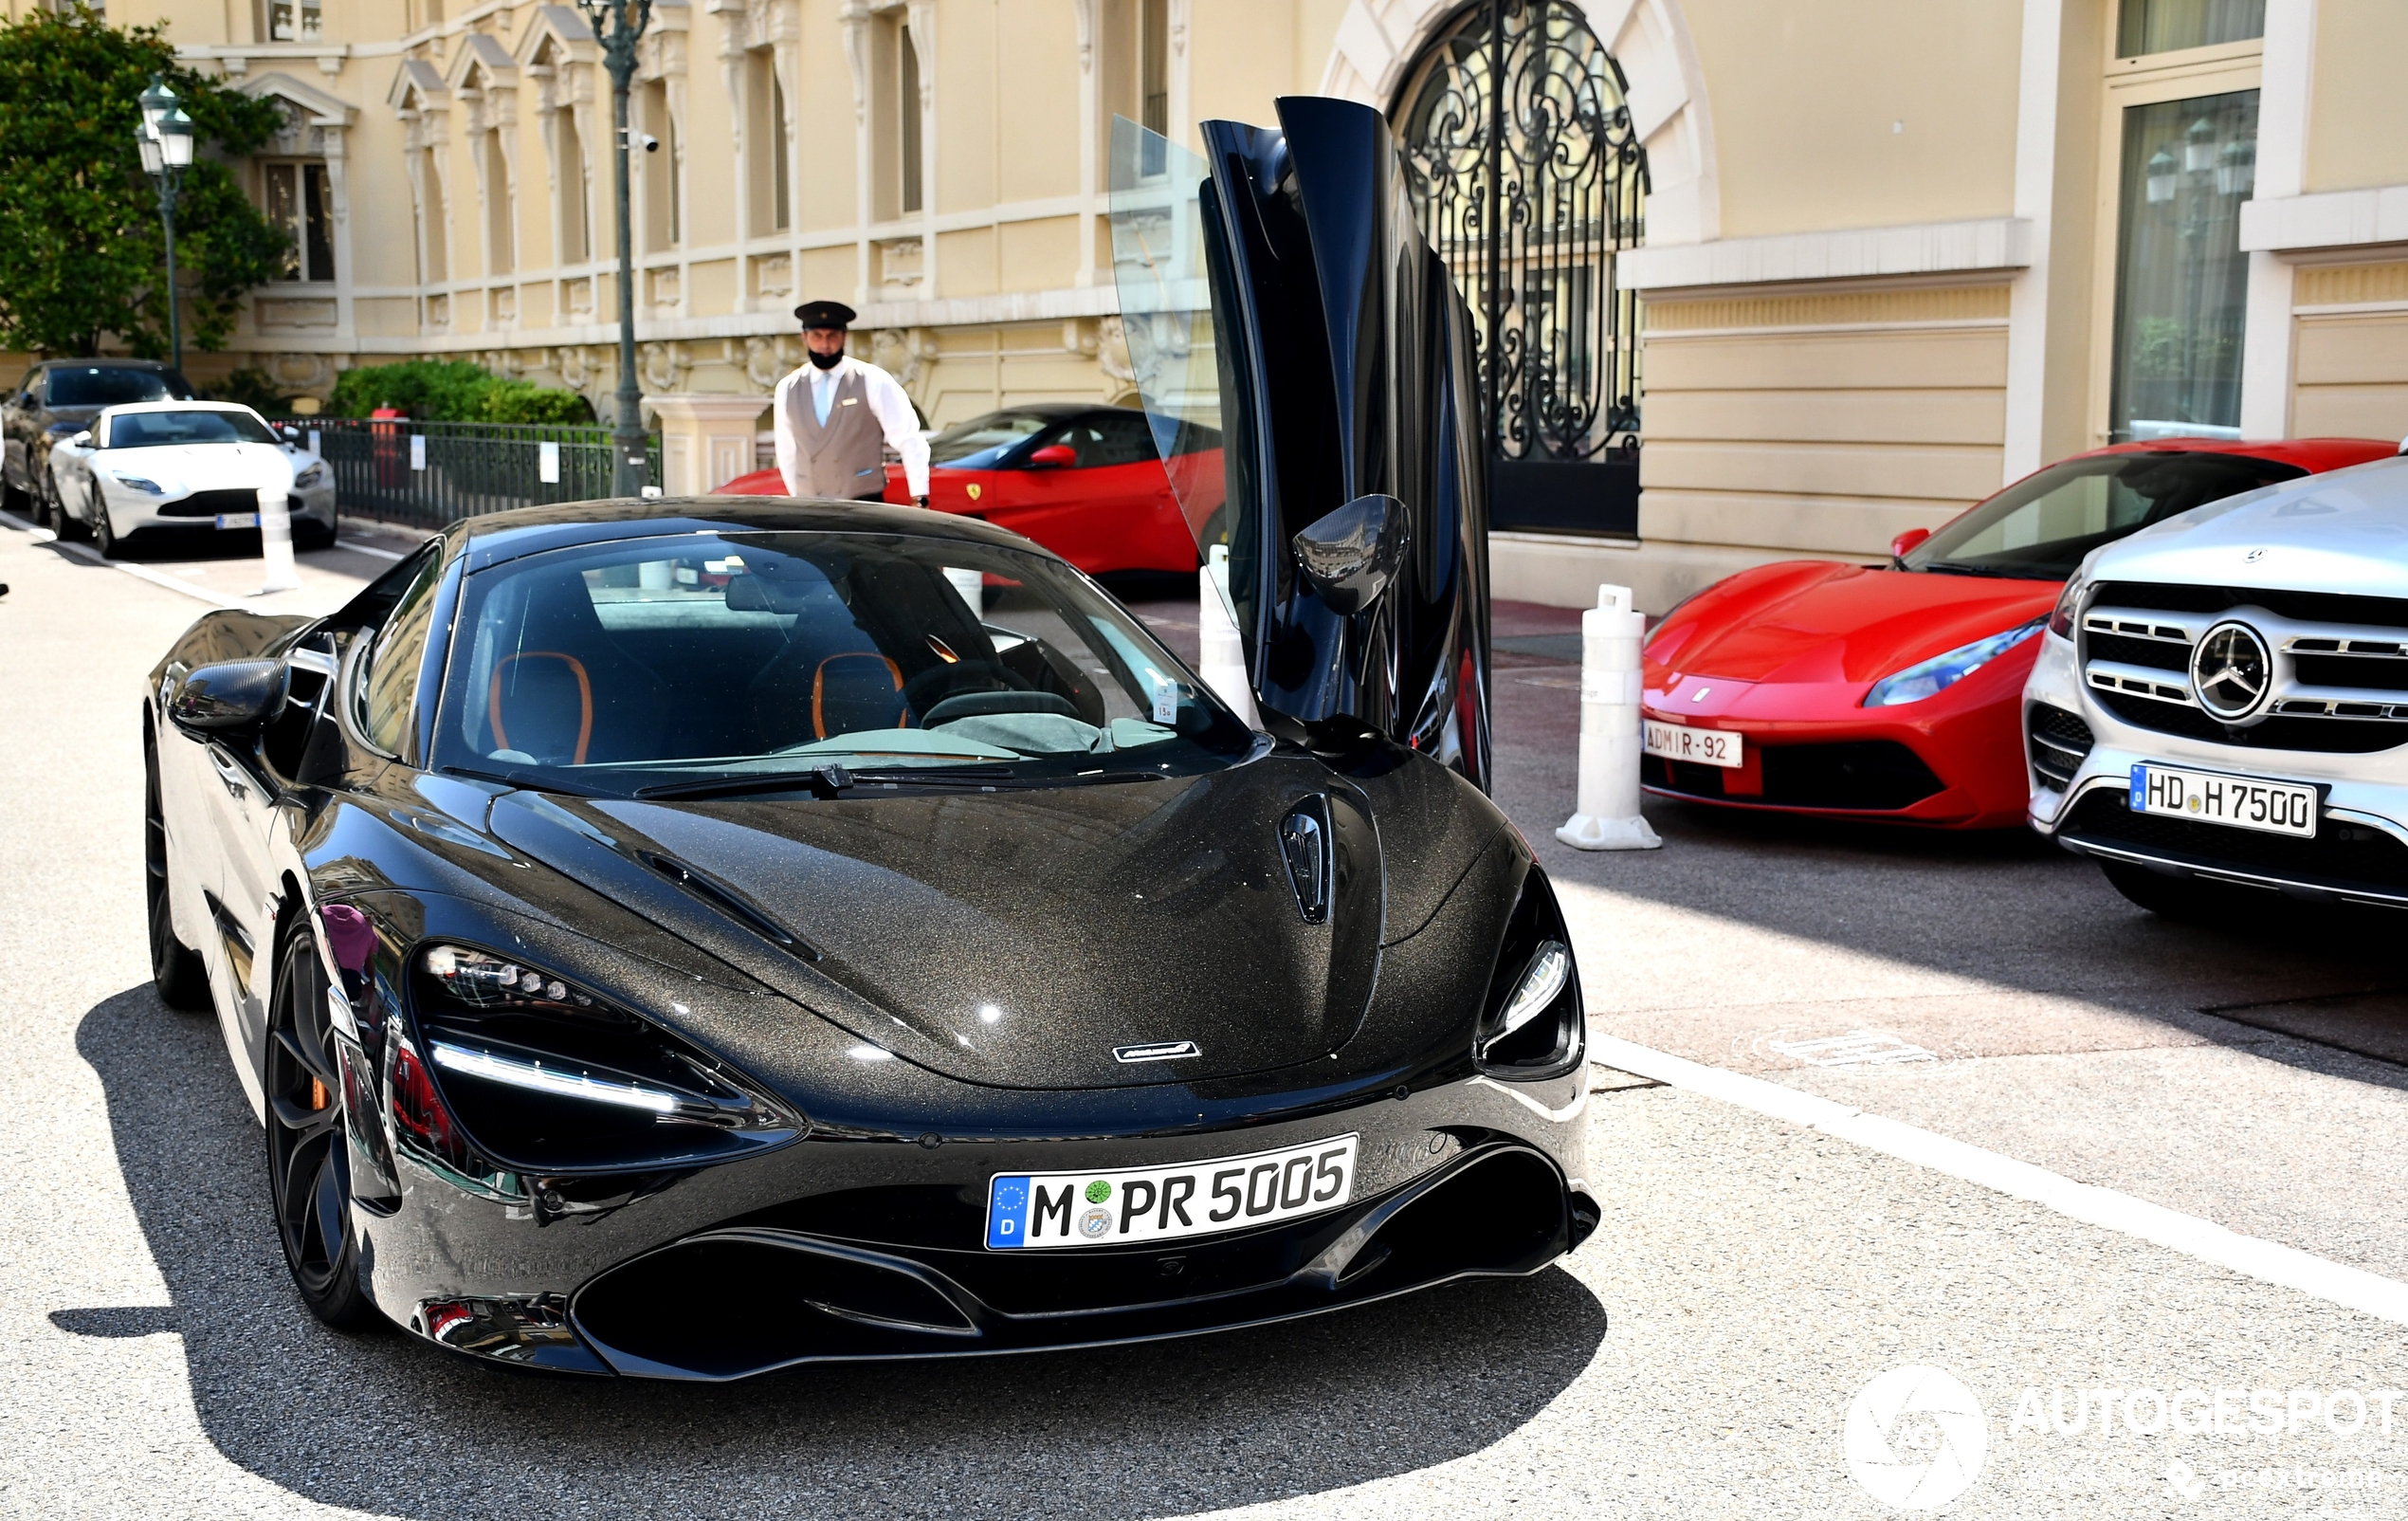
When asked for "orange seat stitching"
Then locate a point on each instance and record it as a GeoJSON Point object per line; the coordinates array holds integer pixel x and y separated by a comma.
{"type": "Point", "coordinates": [585, 698]}
{"type": "Point", "coordinates": [819, 684]}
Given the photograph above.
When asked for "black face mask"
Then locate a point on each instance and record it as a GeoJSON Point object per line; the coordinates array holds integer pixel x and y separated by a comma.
{"type": "Point", "coordinates": [826, 361]}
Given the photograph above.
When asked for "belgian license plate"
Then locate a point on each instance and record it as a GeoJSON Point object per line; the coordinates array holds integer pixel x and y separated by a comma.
{"type": "Point", "coordinates": [1678, 741]}
{"type": "Point", "coordinates": [2243, 802]}
{"type": "Point", "coordinates": [1055, 1209]}
{"type": "Point", "coordinates": [238, 519]}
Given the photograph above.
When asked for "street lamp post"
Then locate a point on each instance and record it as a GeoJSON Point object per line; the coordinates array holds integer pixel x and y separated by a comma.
{"type": "Point", "coordinates": [626, 21]}
{"type": "Point", "coordinates": [165, 140]}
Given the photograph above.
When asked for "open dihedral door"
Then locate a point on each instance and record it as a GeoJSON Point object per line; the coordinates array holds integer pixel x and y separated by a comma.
{"type": "Point", "coordinates": [1300, 348]}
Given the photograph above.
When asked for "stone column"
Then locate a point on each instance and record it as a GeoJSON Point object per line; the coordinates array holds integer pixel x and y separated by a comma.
{"type": "Point", "coordinates": [706, 441]}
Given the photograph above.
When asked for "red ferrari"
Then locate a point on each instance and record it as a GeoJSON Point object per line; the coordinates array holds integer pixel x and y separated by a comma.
{"type": "Point", "coordinates": [1895, 691]}
{"type": "Point", "coordinates": [1084, 480]}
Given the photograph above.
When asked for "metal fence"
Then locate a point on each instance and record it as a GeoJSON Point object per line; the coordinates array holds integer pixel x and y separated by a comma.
{"type": "Point", "coordinates": [430, 474]}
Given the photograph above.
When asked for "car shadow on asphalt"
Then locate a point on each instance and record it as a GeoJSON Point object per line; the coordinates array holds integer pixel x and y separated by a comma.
{"type": "Point", "coordinates": [385, 1423]}
{"type": "Point", "coordinates": [2004, 907]}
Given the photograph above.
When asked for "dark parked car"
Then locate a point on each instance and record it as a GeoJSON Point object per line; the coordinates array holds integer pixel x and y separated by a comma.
{"type": "Point", "coordinates": [685, 938]}
{"type": "Point", "coordinates": [59, 398]}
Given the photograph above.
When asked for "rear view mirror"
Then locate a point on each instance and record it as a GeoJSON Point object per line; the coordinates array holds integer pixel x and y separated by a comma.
{"type": "Point", "coordinates": [81, 439]}
{"type": "Point", "coordinates": [1900, 546]}
{"type": "Point", "coordinates": [1053, 456]}
{"type": "Point", "coordinates": [1352, 555]}
{"type": "Point", "coordinates": [233, 694]}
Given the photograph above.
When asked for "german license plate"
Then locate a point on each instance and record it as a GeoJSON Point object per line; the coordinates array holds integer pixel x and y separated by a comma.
{"type": "Point", "coordinates": [238, 519]}
{"type": "Point", "coordinates": [1678, 741]}
{"type": "Point", "coordinates": [1055, 1209]}
{"type": "Point", "coordinates": [2243, 802]}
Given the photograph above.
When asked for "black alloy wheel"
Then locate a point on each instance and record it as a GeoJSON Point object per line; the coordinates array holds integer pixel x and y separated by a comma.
{"type": "Point", "coordinates": [105, 535]}
{"type": "Point", "coordinates": [48, 513]}
{"type": "Point", "coordinates": [308, 1156]}
{"type": "Point", "coordinates": [62, 522]}
{"type": "Point", "coordinates": [177, 971]}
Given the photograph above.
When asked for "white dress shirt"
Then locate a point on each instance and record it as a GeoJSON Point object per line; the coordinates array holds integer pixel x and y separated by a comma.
{"type": "Point", "coordinates": [888, 403]}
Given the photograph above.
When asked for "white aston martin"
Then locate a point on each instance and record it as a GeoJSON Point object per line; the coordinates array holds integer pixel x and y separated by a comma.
{"type": "Point", "coordinates": [186, 464]}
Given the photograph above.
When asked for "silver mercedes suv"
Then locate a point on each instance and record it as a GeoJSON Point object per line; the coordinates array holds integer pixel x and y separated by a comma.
{"type": "Point", "coordinates": [2221, 700]}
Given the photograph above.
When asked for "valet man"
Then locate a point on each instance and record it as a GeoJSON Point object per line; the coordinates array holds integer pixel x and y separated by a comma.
{"type": "Point", "coordinates": [834, 414]}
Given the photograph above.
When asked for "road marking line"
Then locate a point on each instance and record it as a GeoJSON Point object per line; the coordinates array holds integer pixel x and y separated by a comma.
{"type": "Point", "coordinates": [2109, 1209]}
{"type": "Point", "coordinates": [93, 557]}
{"type": "Point", "coordinates": [371, 526]}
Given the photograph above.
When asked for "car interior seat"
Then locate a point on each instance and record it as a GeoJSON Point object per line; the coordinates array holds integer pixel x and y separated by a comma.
{"type": "Point", "coordinates": [568, 695]}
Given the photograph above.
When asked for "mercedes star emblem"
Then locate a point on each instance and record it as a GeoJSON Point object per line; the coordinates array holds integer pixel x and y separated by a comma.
{"type": "Point", "coordinates": [2253, 556]}
{"type": "Point", "coordinates": [2230, 670]}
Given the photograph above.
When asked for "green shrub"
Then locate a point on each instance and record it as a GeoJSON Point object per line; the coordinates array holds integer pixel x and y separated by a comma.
{"type": "Point", "coordinates": [522, 401]}
{"type": "Point", "coordinates": [453, 391]}
{"type": "Point", "coordinates": [253, 387]}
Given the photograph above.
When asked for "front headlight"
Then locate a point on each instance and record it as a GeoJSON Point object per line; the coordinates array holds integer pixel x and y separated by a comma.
{"type": "Point", "coordinates": [542, 1075]}
{"type": "Point", "coordinates": [1535, 1025]}
{"type": "Point", "coordinates": [2068, 607]}
{"type": "Point", "coordinates": [1941, 673]}
{"type": "Point", "coordinates": [314, 475]}
{"type": "Point", "coordinates": [137, 482]}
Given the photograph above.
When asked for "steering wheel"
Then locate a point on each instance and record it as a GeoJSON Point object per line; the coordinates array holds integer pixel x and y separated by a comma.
{"type": "Point", "coordinates": [963, 677]}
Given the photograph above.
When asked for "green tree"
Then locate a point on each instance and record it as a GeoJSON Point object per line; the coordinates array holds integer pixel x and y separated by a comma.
{"type": "Point", "coordinates": [82, 251]}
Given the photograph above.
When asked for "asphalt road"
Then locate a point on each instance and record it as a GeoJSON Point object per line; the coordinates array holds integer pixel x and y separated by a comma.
{"type": "Point", "coordinates": [1699, 1357]}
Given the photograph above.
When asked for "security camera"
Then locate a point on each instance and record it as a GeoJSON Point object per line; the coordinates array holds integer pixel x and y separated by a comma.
{"type": "Point", "coordinates": [652, 144]}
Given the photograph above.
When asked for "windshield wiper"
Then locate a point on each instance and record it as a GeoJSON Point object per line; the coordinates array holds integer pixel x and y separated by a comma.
{"type": "Point", "coordinates": [530, 780]}
{"type": "Point", "coordinates": [820, 781]}
{"type": "Point", "coordinates": [1958, 567]}
{"type": "Point", "coordinates": [829, 781]}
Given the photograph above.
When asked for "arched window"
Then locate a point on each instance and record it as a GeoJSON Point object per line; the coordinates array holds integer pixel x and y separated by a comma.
{"type": "Point", "coordinates": [1528, 177]}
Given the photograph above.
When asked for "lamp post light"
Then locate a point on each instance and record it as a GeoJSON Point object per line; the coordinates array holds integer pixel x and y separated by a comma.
{"type": "Point", "coordinates": [165, 140]}
{"type": "Point", "coordinates": [626, 21]}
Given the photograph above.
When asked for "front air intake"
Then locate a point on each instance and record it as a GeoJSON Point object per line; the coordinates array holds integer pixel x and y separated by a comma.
{"type": "Point", "coordinates": [2060, 743]}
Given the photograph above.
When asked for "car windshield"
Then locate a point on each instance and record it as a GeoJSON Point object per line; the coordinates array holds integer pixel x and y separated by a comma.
{"type": "Point", "coordinates": [686, 661]}
{"type": "Point", "coordinates": [150, 430]}
{"type": "Point", "coordinates": [978, 444]}
{"type": "Point", "coordinates": [104, 385]}
{"type": "Point", "coordinates": [2040, 527]}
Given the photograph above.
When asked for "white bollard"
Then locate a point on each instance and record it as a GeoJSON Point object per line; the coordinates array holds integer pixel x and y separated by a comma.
{"type": "Point", "coordinates": [1607, 817]}
{"type": "Point", "coordinates": [276, 541]}
{"type": "Point", "coordinates": [1221, 655]}
{"type": "Point", "coordinates": [972, 587]}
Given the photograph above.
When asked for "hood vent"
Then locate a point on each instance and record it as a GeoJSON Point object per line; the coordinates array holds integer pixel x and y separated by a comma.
{"type": "Point", "coordinates": [1304, 840]}
{"type": "Point", "coordinates": [731, 903]}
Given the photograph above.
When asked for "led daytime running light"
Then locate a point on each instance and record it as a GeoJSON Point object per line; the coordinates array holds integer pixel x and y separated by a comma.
{"type": "Point", "coordinates": [538, 1078]}
{"type": "Point", "coordinates": [1541, 985]}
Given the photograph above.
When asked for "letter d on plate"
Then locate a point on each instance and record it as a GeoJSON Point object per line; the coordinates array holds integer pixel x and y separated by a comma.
{"type": "Point", "coordinates": [1008, 1213]}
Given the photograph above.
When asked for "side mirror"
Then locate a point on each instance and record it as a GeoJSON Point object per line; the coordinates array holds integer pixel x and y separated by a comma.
{"type": "Point", "coordinates": [83, 440]}
{"type": "Point", "coordinates": [232, 694]}
{"type": "Point", "coordinates": [1054, 456]}
{"type": "Point", "coordinates": [1352, 555]}
{"type": "Point", "coordinates": [1905, 541]}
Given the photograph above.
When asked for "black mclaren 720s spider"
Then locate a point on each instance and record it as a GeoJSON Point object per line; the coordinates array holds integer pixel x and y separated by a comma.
{"type": "Point", "coordinates": [852, 919]}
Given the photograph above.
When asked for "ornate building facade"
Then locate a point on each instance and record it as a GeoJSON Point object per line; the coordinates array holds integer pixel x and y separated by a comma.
{"type": "Point", "coordinates": [1841, 269]}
